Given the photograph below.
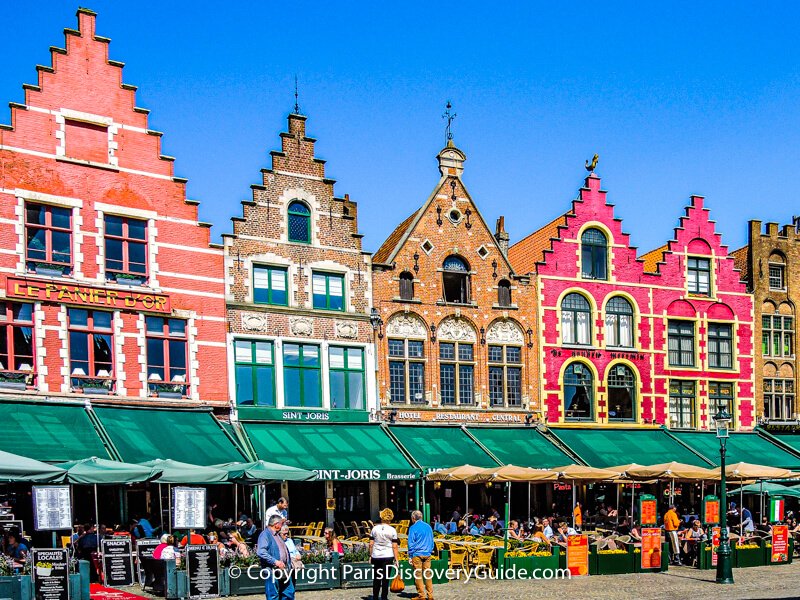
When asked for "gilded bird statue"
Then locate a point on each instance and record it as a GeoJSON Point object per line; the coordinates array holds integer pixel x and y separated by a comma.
{"type": "Point", "coordinates": [591, 166]}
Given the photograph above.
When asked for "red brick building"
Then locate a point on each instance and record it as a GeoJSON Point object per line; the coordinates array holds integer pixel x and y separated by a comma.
{"type": "Point", "coordinates": [458, 332]}
{"type": "Point", "coordinates": [666, 338]}
{"type": "Point", "coordinates": [112, 289]}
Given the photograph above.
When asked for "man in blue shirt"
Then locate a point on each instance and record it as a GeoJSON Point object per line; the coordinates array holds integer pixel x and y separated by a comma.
{"type": "Point", "coordinates": [420, 548]}
{"type": "Point", "coordinates": [274, 555]}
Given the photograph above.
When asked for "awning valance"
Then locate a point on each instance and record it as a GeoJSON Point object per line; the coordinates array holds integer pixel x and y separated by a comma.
{"type": "Point", "coordinates": [338, 452]}
{"type": "Point", "coordinates": [604, 448]}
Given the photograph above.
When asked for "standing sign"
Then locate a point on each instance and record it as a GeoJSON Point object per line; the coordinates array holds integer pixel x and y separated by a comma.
{"type": "Point", "coordinates": [202, 564]}
{"type": "Point", "coordinates": [578, 554]}
{"type": "Point", "coordinates": [714, 545]}
{"type": "Point", "coordinates": [651, 548]}
{"type": "Point", "coordinates": [144, 550]}
{"type": "Point", "coordinates": [710, 514]}
{"type": "Point", "coordinates": [780, 543]}
{"type": "Point", "coordinates": [117, 561]}
{"type": "Point", "coordinates": [648, 509]}
{"type": "Point", "coordinates": [50, 574]}
{"type": "Point", "coordinates": [9, 526]}
{"type": "Point", "coordinates": [188, 508]}
{"type": "Point", "coordinates": [52, 508]}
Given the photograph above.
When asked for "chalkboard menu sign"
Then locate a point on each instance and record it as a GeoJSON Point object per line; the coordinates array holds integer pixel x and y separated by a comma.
{"type": "Point", "coordinates": [52, 508]}
{"type": "Point", "coordinates": [202, 563]}
{"type": "Point", "coordinates": [8, 526]}
{"type": "Point", "coordinates": [117, 561]}
{"type": "Point", "coordinates": [144, 550]}
{"type": "Point", "coordinates": [188, 508]}
{"type": "Point", "coordinates": [50, 574]}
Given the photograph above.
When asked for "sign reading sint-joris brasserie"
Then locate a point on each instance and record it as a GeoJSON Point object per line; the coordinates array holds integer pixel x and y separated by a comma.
{"type": "Point", "coordinates": [86, 295]}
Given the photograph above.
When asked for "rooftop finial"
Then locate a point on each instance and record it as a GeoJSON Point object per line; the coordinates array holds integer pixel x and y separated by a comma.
{"type": "Point", "coordinates": [448, 116]}
{"type": "Point", "coordinates": [593, 165]}
{"type": "Point", "coordinates": [296, 102]}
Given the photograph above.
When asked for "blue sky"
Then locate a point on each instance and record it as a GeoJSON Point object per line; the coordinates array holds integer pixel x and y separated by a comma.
{"type": "Point", "coordinates": [677, 98]}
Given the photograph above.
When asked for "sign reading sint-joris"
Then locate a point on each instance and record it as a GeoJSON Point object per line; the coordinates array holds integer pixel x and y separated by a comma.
{"type": "Point", "coordinates": [86, 295]}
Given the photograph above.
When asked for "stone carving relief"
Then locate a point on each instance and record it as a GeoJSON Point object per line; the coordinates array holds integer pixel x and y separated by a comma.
{"type": "Point", "coordinates": [456, 330]}
{"type": "Point", "coordinates": [254, 322]}
{"type": "Point", "coordinates": [406, 325]}
{"type": "Point", "coordinates": [504, 332]}
{"type": "Point", "coordinates": [301, 326]}
{"type": "Point", "coordinates": [346, 329]}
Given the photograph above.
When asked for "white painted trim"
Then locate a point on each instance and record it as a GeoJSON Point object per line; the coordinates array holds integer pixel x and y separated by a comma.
{"type": "Point", "coordinates": [48, 198]}
{"type": "Point", "coordinates": [299, 175]}
{"type": "Point", "coordinates": [125, 211]}
{"type": "Point", "coordinates": [77, 115]}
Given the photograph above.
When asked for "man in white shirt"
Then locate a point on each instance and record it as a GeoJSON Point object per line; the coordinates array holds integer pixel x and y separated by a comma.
{"type": "Point", "coordinates": [279, 509]}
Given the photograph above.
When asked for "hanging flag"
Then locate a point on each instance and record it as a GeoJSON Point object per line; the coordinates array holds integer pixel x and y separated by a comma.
{"type": "Point", "coordinates": [775, 509]}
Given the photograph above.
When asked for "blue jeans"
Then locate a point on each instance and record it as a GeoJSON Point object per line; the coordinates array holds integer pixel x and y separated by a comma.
{"type": "Point", "coordinates": [279, 588]}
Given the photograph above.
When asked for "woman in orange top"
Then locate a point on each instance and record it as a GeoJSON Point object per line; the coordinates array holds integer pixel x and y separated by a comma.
{"type": "Point", "coordinates": [577, 516]}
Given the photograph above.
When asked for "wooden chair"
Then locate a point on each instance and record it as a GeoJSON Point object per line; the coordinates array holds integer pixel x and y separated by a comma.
{"type": "Point", "coordinates": [482, 558]}
{"type": "Point", "coordinates": [318, 529]}
{"type": "Point", "coordinates": [458, 559]}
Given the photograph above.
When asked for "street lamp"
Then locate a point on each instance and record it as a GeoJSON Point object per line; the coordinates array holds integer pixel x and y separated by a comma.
{"type": "Point", "coordinates": [722, 421]}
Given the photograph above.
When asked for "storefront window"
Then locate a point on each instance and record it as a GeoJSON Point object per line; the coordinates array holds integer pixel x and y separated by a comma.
{"type": "Point", "coordinates": [347, 377]}
{"type": "Point", "coordinates": [302, 375]}
{"type": "Point", "coordinates": [255, 373]}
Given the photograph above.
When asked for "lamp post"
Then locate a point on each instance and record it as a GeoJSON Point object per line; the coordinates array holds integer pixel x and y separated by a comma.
{"type": "Point", "coordinates": [722, 421]}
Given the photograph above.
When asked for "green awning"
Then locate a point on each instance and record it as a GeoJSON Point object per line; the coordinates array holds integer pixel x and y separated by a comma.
{"type": "Point", "coordinates": [603, 448]}
{"type": "Point", "coordinates": [173, 471]}
{"type": "Point", "coordinates": [101, 471]}
{"type": "Point", "coordinates": [523, 447]}
{"type": "Point", "coordinates": [441, 447]}
{"type": "Point", "coordinates": [190, 436]}
{"type": "Point", "coordinates": [15, 468]}
{"type": "Point", "coordinates": [339, 452]}
{"type": "Point", "coordinates": [50, 432]}
{"type": "Point", "coordinates": [741, 447]}
{"type": "Point", "coordinates": [790, 440]}
{"type": "Point", "coordinates": [768, 489]}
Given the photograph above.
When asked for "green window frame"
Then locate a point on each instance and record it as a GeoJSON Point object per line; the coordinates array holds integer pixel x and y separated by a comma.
{"type": "Point", "coordinates": [328, 291]}
{"type": "Point", "coordinates": [302, 375]}
{"type": "Point", "coordinates": [346, 374]}
{"type": "Point", "coordinates": [299, 222]}
{"type": "Point", "coordinates": [777, 335]}
{"type": "Point", "coordinates": [254, 363]}
{"type": "Point", "coordinates": [270, 285]}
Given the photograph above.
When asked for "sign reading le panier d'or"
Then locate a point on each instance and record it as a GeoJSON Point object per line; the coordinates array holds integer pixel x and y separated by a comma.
{"type": "Point", "coordinates": [86, 295]}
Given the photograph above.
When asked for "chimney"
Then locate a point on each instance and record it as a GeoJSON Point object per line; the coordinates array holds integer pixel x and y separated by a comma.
{"type": "Point", "coordinates": [501, 236]}
{"type": "Point", "coordinates": [796, 223]}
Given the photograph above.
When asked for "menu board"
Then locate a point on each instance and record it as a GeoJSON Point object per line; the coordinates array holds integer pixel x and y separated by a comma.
{"type": "Point", "coordinates": [578, 554]}
{"type": "Point", "coordinates": [52, 508]}
{"type": "Point", "coordinates": [714, 545]}
{"type": "Point", "coordinates": [188, 508]}
{"type": "Point", "coordinates": [8, 526]}
{"type": "Point", "coordinates": [648, 509]}
{"type": "Point", "coordinates": [144, 550]}
{"type": "Point", "coordinates": [710, 514]}
{"type": "Point", "coordinates": [50, 574]}
{"type": "Point", "coordinates": [651, 548]}
{"type": "Point", "coordinates": [202, 564]}
{"type": "Point", "coordinates": [780, 544]}
{"type": "Point", "coordinates": [117, 561]}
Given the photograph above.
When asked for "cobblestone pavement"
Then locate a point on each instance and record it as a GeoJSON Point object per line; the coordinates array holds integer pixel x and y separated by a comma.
{"type": "Point", "coordinates": [678, 583]}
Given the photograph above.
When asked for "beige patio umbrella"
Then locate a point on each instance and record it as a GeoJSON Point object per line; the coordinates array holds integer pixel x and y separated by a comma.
{"type": "Point", "coordinates": [461, 473]}
{"type": "Point", "coordinates": [742, 470]}
{"type": "Point", "coordinates": [580, 473]}
{"type": "Point", "coordinates": [673, 471]}
{"type": "Point", "coordinates": [513, 473]}
{"type": "Point", "coordinates": [623, 471]}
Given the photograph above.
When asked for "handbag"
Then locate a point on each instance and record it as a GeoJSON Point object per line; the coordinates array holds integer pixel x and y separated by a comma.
{"type": "Point", "coordinates": [398, 585]}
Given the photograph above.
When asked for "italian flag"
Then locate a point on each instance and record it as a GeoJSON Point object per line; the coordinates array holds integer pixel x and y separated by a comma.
{"type": "Point", "coordinates": [776, 510]}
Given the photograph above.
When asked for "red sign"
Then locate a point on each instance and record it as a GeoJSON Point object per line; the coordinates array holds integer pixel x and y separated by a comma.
{"type": "Point", "coordinates": [649, 512]}
{"type": "Point", "coordinates": [562, 487]}
{"type": "Point", "coordinates": [651, 548]}
{"type": "Point", "coordinates": [780, 543]}
{"type": "Point", "coordinates": [86, 295]}
{"type": "Point", "coordinates": [99, 592]}
{"type": "Point", "coordinates": [712, 510]}
{"type": "Point", "coordinates": [578, 554]}
{"type": "Point", "coordinates": [714, 545]}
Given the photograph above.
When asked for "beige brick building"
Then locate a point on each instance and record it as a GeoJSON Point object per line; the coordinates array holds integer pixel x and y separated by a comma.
{"type": "Point", "coordinates": [457, 337]}
{"type": "Point", "coordinates": [770, 264]}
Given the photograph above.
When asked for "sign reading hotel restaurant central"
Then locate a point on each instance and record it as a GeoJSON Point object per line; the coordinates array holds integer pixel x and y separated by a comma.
{"type": "Point", "coordinates": [86, 295]}
{"type": "Point", "coordinates": [455, 416]}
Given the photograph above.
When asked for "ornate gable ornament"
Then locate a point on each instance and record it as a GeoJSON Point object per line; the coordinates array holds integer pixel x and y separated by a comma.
{"type": "Point", "coordinates": [504, 331]}
{"type": "Point", "coordinates": [406, 325]}
{"type": "Point", "coordinates": [454, 329]}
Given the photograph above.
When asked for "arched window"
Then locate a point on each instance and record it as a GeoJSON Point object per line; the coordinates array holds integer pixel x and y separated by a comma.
{"type": "Point", "coordinates": [619, 323]}
{"type": "Point", "coordinates": [621, 393]}
{"type": "Point", "coordinates": [406, 286]}
{"type": "Point", "coordinates": [594, 254]}
{"type": "Point", "coordinates": [455, 280]}
{"type": "Point", "coordinates": [578, 393]}
{"type": "Point", "coordinates": [576, 320]}
{"type": "Point", "coordinates": [299, 222]}
{"type": "Point", "coordinates": [504, 292]}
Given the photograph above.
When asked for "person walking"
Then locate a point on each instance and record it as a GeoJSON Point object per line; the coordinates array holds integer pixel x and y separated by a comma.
{"type": "Point", "coordinates": [275, 557]}
{"type": "Point", "coordinates": [383, 553]}
{"type": "Point", "coordinates": [420, 549]}
{"type": "Point", "coordinates": [671, 524]}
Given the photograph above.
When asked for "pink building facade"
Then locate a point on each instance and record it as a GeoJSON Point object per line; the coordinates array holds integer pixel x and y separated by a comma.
{"type": "Point", "coordinates": [661, 339]}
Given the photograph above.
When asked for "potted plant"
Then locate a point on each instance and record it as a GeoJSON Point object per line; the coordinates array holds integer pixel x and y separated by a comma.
{"type": "Point", "coordinates": [320, 571]}
{"type": "Point", "coordinates": [750, 554]}
{"type": "Point", "coordinates": [356, 570]}
{"type": "Point", "coordinates": [610, 561]}
{"type": "Point", "coordinates": [93, 385]}
{"type": "Point", "coordinates": [247, 579]}
{"type": "Point", "coordinates": [14, 380]}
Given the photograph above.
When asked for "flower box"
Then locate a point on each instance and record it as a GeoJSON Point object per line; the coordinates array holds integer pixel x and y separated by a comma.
{"type": "Point", "coordinates": [14, 380]}
{"type": "Point", "coordinates": [610, 562]}
{"type": "Point", "coordinates": [637, 560]}
{"type": "Point", "coordinates": [319, 575]}
{"type": "Point", "coordinates": [749, 555]}
{"type": "Point", "coordinates": [524, 567]}
{"type": "Point", "coordinates": [768, 554]}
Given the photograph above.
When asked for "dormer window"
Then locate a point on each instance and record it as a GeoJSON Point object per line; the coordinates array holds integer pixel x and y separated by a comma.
{"type": "Point", "coordinates": [455, 280]}
{"type": "Point", "coordinates": [594, 254]}
{"type": "Point", "coordinates": [698, 276]}
{"type": "Point", "coordinates": [299, 222]}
